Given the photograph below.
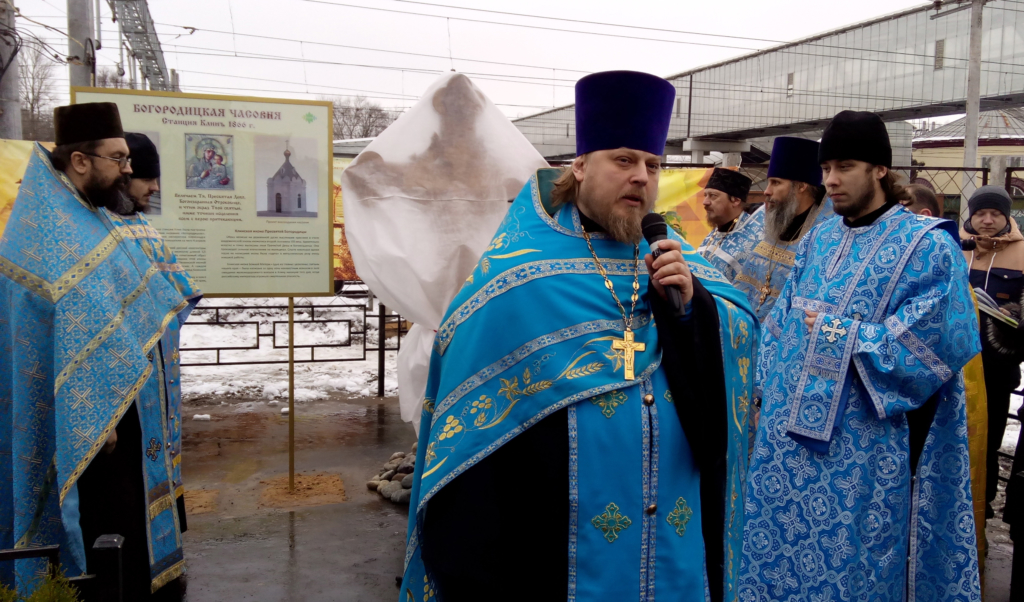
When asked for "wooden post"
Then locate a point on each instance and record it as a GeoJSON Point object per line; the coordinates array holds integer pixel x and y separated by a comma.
{"type": "Point", "coordinates": [291, 394]}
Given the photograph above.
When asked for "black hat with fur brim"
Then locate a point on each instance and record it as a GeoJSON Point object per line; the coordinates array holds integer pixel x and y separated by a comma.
{"type": "Point", "coordinates": [86, 122]}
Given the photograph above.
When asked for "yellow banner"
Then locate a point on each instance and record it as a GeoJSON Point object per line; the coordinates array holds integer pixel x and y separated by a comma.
{"type": "Point", "coordinates": [14, 155]}
{"type": "Point", "coordinates": [681, 201]}
{"type": "Point", "coordinates": [344, 269]}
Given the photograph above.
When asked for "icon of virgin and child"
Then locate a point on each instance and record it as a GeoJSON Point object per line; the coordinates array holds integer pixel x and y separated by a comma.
{"type": "Point", "coordinates": [208, 162]}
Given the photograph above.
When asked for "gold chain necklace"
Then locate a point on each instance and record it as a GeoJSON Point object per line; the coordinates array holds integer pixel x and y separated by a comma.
{"type": "Point", "coordinates": [766, 288]}
{"type": "Point", "coordinates": [626, 344]}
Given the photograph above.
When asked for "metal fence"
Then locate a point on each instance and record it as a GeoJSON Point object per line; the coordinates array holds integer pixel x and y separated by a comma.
{"type": "Point", "coordinates": [950, 185]}
{"type": "Point", "coordinates": [1014, 184]}
{"type": "Point", "coordinates": [253, 332]}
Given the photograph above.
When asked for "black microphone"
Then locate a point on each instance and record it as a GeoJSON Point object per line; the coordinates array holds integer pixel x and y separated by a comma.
{"type": "Point", "coordinates": [655, 229]}
{"type": "Point", "coordinates": [968, 244]}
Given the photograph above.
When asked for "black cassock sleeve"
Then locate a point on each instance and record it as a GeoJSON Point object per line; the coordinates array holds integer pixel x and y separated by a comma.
{"type": "Point", "coordinates": [500, 530]}
{"type": "Point", "coordinates": [692, 357]}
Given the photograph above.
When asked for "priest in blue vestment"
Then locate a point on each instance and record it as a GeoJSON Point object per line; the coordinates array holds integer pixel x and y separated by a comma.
{"type": "Point", "coordinates": [859, 485]}
{"type": "Point", "coordinates": [583, 437]}
{"type": "Point", "coordinates": [91, 303]}
{"type": "Point", "coordinates": [734, 231]}
{"type": "Point", "coordinates": [794, 204]}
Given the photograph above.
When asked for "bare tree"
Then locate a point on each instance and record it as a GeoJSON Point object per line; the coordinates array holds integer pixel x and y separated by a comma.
{"type": "Point", "coordinates": [357, 117]}
{"type": "Point", "coordinates": [109, 78]}
{"type": "Point", "coordinates": [38, 91]}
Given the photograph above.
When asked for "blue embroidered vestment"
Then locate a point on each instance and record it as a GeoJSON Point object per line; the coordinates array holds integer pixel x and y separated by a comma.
{"type": "Point", "coordinates": [772, 262]}
{"type": "Point", "coordinates": [90, 310]}
{"type": "Point", "coordinates": [727, 251]}
{"type": "Point", "coordinates": [531, 333]}
{"type": "Point", "coordinates": [833, 511]}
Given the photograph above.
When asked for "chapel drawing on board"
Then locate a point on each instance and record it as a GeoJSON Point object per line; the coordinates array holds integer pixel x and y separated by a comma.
{"type": "Point", "coordinates": [290, 169]}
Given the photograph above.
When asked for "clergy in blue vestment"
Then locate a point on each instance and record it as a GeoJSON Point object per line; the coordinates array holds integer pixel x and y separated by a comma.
{"type": "Point", "coordinates": [91, 303]}
{"type": "Point", "coordinates": [859, 485]}
{"type": "Point", "coordinates": [794, 203]}
{"type": "Point", "coordinates": [734, 231]}
{"type": "Point", "coordinates": [583, 437]}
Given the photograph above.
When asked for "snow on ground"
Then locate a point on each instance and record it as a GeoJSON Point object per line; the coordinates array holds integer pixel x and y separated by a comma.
{"type": "Point", "coordinates": [1012, 426]}
{"type": "Point", "coordinates": [269, 382]}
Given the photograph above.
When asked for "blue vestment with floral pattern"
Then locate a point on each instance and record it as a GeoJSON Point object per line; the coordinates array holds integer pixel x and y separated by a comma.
{"type": "Point", "coordinates": [835, 509]}
{"type": "Point", "coordinates": [530, 333]}
{"type": "Point", "coordinates": [90, 309]}
{"type": "Point", "coordinates": [728, 250]}
{"type": "Point", "coordinates": [767, 265]}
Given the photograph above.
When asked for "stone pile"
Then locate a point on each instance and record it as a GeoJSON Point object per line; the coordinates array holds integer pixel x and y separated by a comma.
{"type": "Point", "coordinates": [394, 481]}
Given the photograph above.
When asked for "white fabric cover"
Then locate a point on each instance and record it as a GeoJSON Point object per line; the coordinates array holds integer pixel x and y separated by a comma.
{"type": "Point", "coordinates": [422, 202]}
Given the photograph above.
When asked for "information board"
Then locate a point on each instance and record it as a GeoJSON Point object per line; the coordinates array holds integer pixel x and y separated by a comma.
{"type": "Point", "coordinates": [246, 187]}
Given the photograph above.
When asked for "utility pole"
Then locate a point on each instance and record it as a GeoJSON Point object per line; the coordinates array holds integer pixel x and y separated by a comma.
{"type": "Point", "coordinates": [973, 104]}
{"type": "Point", "coordinates": [10, 104]}
{"type": "Point", "coordinates": [81, 52]}
{"type": "Point", "coordinates": [973, 93]}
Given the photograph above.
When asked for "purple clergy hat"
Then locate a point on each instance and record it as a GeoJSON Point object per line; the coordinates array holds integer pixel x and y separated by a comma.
{"type": "Point", "coordinates": [616, 109]}
{"type": "Point", "coordinates": [795, 159]}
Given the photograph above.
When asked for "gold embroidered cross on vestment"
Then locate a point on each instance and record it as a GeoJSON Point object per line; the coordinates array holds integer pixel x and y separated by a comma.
{"type": "Point", "coordinates": [611, 522]}
{"type": "Point", "coordinates": [680, 516]}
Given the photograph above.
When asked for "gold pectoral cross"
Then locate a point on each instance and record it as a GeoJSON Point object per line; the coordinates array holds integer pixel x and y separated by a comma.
{"type": "Point", "coordinates": [765, 290]}
{"type": "Point", "coordinates": [628, 346]}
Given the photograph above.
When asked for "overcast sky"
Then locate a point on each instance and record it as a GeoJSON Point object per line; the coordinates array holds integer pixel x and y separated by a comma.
{"type": "Point", "coordinates": [549, 61]}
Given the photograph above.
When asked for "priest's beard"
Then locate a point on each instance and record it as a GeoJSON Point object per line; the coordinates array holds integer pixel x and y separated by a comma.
{"type": "Point", "coordinates": [114, 197]}
{"type": "Point", "coordinates": [619, 219]}
{"type": "Point", "coordinates": [779, 215]}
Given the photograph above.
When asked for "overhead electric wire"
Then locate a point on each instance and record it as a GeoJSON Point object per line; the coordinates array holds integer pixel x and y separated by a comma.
{"type": "Point", "coordinates": [784, 50]}
{"type": "Point", "coordinates": [499, 12]}
{"type": "Point", "coordinates": [394, 95]}
{"type": "Point", "coordinates": [509, 78]}
{"type": "Point", "coordinates": [551, 82]}
{"type": "Point", "coordinates": [646, 39]}
{"type": "Point", "coordinates": [400, 97]}
{"type": "Point", "coordinates": [612, 35]}
{"type": "Point", "coordinates": [543, 81]}
{"type": "Point", "coordinates": [545, 78]}
{"type": "Point", "coordinates": [332, 45]}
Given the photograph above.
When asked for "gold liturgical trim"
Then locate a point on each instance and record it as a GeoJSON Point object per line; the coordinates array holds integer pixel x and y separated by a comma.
{"type": "Point", "coordinates": [104, 334]}
{"type": "Point", "coordinates": [54, 292]}
{"type": "Point", "coordinates": [159, 506]}
{"type": "Point", "coordinates": [163, 325]}
{"type": "Point", "coordinates": [125, 402]}
{"type": "Point", "coordinates": [755, 283]}
{"type": "Point", "coordinates": [167, 576]}
{"type": "Point", "coordinates": [775, 254]}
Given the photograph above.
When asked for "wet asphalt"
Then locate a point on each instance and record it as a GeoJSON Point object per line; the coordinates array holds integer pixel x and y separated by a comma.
{"type": "Point", "coordinates": [349, 551]}
{"type": "Point", "coordinates": [346, 552]}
